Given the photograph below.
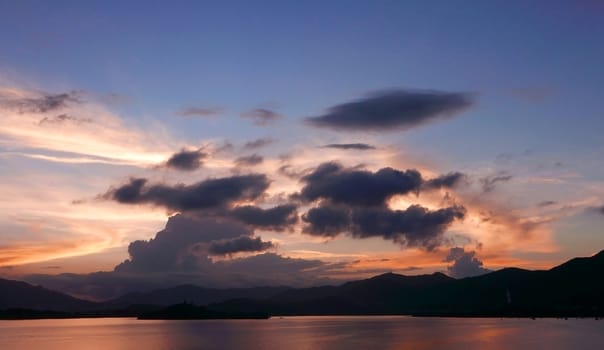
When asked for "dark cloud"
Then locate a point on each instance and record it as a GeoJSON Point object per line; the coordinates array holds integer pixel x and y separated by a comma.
{"type": "Point", "coordinates": [42, 104]}
{"type": "Point", "coordinates": [327, 220]}
{"type": "Point", "coordinates": [415, 226]}
{"type": "Point", "coordinates": [63, 118]}
{"type": "Point", "coordinates": [392, 110]}
{"type": "Point", "coordinates": [259, 143]}
{"type": "Point", "coordinates": [489, 183]}
{"type": "Point", "coordinates": [198, 112]}
{"type": "Point", "coordinates": [251, 160]}
{"type": "Point", "coordinates": [449, 180]}
{"type": "Point", "coordinates": [350, 146]}
{"type": "Point", "coordinates": [331, 181]}
{"type": "Point", "coordinates": [186, 160]}
{"type": "Point", "coordinates": [237, 245]}
{"type": "Point", "coordinates": [208, 194]}
{"type": "Point", "coordinates": [262, 116]}
{"type": "Point", "coordinates": [356, 187]}
{"type": "Point", "coordinates": [546, 204]}
{"type": "Point", "coordinates": [277, 218]}
{"type": "Point", "coordinates": [597, 210]}
{"type": "Point", "coordinates": [464, 264]}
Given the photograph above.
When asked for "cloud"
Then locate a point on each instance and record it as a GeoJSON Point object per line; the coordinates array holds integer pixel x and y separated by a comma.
{"type": "Point", "coordinates": [172, 249]}
{"type": "Point", "coordinates": [350, 146]}
{"type": "Point", "coordinates": [597, 209]}
{"type": "Point", "coordinates": [277, 218]}
{"type": "Point", "coordinates": [546, 204]}
{"type": "Point", "coordinates": [259, 143]}
{"type": "Point", "coordinates": [186, 160]}
{"type": "Point", "coordinates": [88, 130]}
{"type": "Point", "coordinates": [415, 226]}
{"type": "Point", "coordinates": [464, 264]}
{"type": "Point", "coordinates": [238, 245]}
{"type": "Point", "coordinates": [39, 104]}
{"type": "Point", "coordinates": [333, 182]}
{"type": "Point", "coordinates": [63, 118]}
{"type": "Point", "coordinates": [490, 182]}
{"type": "Point", "coordinates": [182, 253]}
{"type": "Point", "coordinates": [393, 110]}
{"type": "Point", "coordinates": [449, 180]}
{"type": "Point", "coordinates": [198, 112]}
{"type": "Point", "coordinates": [262, 116]}
{"type": "Point", "coordinates": [208, 194]}
{"type": "Point", "coordinates": [356, 187]}
{"type": "Point", "coordinates": [251, 160]}
{"type": "Point", "coordinates": [327, 220]}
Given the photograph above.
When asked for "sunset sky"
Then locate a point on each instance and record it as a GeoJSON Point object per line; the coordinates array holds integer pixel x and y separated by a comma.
{"type": "Point", "coordinates": [227, 143]}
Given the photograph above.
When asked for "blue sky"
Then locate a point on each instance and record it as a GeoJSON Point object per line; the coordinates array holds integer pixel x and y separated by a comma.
{"type": "Point", "coordinates": [533, 69]}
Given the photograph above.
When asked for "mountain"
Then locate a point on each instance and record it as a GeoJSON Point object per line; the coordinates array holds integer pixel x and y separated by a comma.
{"type": "Point", "coordinates": [575, 288]}
{"type": "Point", "coordinates": [16, 294]}
{"type": "Point", "coordinates": [192, 294]}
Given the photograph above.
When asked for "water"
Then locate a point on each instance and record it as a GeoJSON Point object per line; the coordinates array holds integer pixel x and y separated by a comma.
{"type": "Point", "coordinates": [292, 333]}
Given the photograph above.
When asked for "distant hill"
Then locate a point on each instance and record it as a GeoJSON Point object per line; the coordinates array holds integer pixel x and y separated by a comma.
{"type": "Point", "coordinates": [575, 288]}
{"type": "Point", "coordinates": [192, 294]}
{"type": "Point", "coordinates": [16, 294]}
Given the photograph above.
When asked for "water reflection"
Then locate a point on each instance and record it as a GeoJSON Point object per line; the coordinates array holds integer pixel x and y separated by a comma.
{"type": "Point", "coordinates": [294, 333]}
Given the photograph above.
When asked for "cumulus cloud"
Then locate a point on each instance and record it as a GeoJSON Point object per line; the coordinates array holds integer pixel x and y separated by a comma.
{"type": "Point", "coordinates": [489, 183]}
{"type": "Point", "coordinates": [464, 263]}
{"type": "Point", "coordinates": [393, 110]}
{"type": "Point", "coordinates": [207, 194]}
{"type": "Point", "coordinates": [39, 104]}
{"type": "Point", "coordinates": [262, 116]}
{"type": "Point", "coordinates": [183, 253]}
{"type": "Point", "coordinates": [174, 248]}
{"type": "Point", "coordinates": [333, 182]}
{"type": "Point", "coordinates": [277, 218]}
{"type": "Point", "coordinates": [258, 143]}
{"type": "Point", "coordinates": [198, 112]}
{"type": "Point", "coordinates": [238, 245]}
{"type": "Point", "coordinates": [327, 220]}
{"type": "Point", "coordinates": [350, 146]}
{"type": "Point", "coordinates": [415, 226]}
{"type": "Point", "coordinates": [187, 160]}
{"type": "Point", "coordinates": [250, 160]}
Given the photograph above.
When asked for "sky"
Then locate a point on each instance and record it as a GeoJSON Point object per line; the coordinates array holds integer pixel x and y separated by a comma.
{"type": "Point", "coordinates": [227, 144]}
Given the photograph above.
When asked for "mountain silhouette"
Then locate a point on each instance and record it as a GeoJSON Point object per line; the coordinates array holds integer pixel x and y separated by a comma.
{"type": "Point", "coordinates": [17, 294]}
{"type": "Point", "coordinates": [575, 288]}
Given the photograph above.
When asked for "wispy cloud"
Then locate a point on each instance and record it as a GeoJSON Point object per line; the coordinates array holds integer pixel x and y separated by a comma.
{"type": "Point", "coordinates": [64, 123]}
{"type": "Point", "coordinates": [262, 116]}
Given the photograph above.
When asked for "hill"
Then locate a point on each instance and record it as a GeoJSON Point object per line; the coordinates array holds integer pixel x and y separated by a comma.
{"type": "Point", "coordinates": [17, 294]}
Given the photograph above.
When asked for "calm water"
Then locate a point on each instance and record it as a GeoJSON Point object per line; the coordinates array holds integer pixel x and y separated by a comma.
{"type": "Point", "coordinates": [293, 333]}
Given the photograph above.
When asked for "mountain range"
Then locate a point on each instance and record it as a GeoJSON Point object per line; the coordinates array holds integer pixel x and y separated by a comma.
{"type": "Point", "coordinates": [575, 288]}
